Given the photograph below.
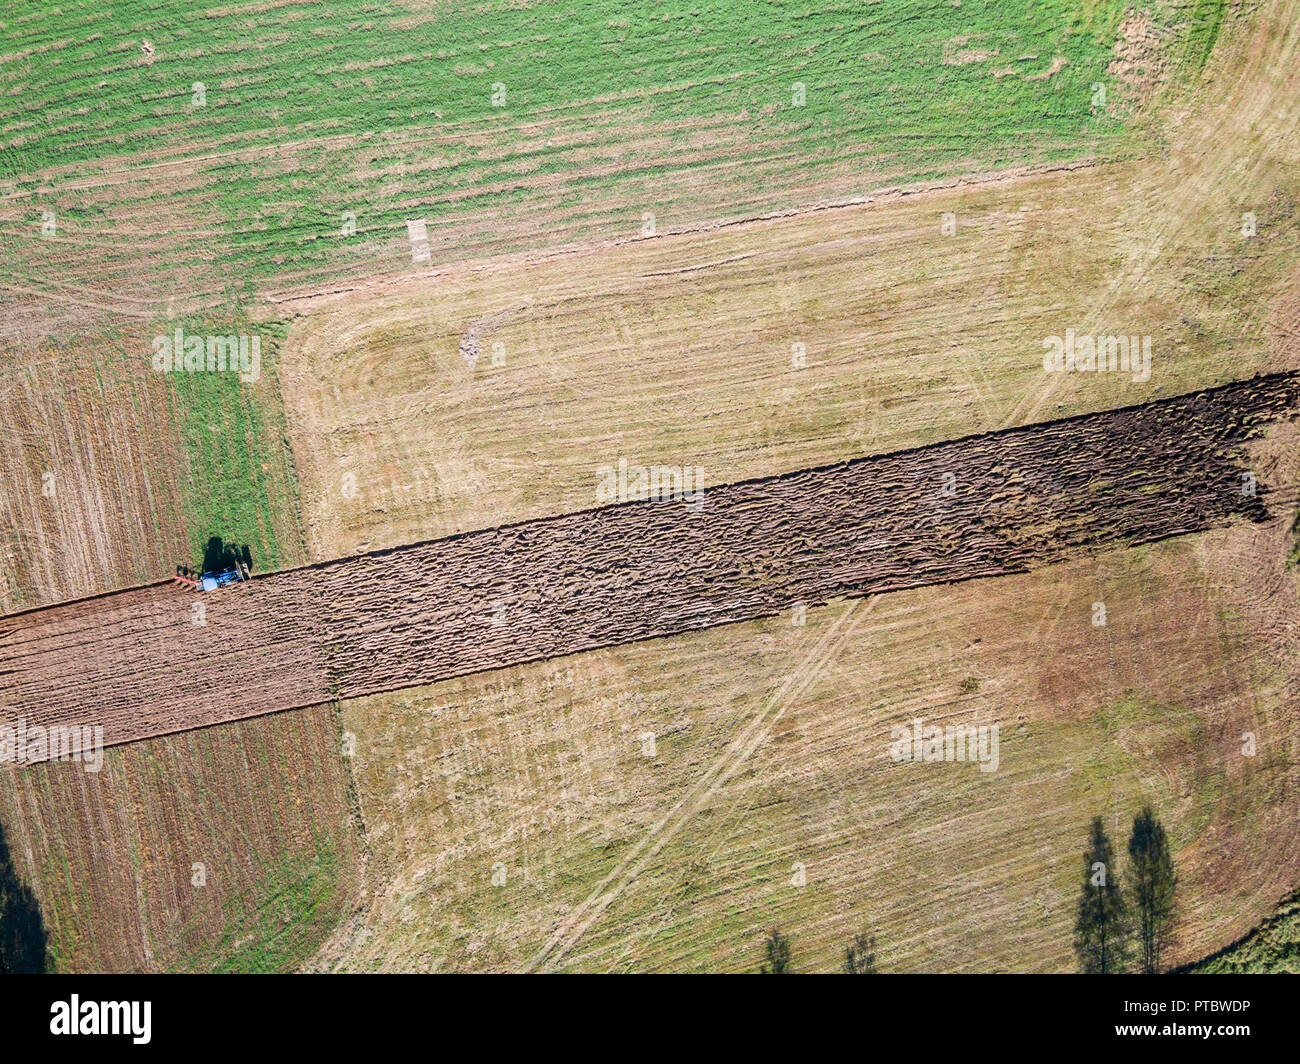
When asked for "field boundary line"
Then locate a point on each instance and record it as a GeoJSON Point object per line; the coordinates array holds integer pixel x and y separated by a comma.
{"type": "Point", "coordinates": [380, 282]}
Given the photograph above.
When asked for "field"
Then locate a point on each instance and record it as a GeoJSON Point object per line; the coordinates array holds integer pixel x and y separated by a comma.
{"type": "Point", "coordinates": [84, 432]}
{"type": "Point", "coordinates": [682, 350]}
{"type": "Point", "coordinates": [276, 873]}
{"type": "Point", "coordinates": [112, 476]}
{"type": "Point", "coordinates": [1271, 947]}
{"type": "Point", "coordinates": [536, 773]}
{"type": "Point", "coordinates": [751, 238]}
{"type": "Point", "coordinates": [771, 751]}
{"type": "Point", "coordinates": [143, 662]}
{"type": "Point", "coordinates": [143, 471]}
{"type": "Point", "coordinates": [319, 129]}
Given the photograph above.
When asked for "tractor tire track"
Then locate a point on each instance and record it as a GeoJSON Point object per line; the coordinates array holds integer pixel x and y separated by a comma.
{"type": "Point", "coordinates": [718, 774]}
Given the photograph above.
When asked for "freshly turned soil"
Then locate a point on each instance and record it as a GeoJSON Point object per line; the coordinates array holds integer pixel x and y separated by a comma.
{"type": "Point", "coordinates": [136, 662]}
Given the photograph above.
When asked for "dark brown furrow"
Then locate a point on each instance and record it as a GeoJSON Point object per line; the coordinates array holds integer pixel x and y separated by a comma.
{"type": "Point", "coordinates": [136, 663]}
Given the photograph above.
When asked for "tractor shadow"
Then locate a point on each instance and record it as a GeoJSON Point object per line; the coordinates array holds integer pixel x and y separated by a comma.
{"type": "Point", "coordinates": [220, 556]}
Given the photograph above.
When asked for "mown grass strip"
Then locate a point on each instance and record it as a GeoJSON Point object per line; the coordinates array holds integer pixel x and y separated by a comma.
{"type": "Point", "coordinates": [461, 102]}
{"type": "Point", "coordinates": [239, 483]}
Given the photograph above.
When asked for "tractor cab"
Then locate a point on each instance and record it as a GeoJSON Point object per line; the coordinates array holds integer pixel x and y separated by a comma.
{"type": "Point", "coordinates": [212, 581]}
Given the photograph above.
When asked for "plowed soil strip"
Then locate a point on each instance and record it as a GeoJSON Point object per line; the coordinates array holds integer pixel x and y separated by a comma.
{"type": "Point", "coordinates": [146, 662]}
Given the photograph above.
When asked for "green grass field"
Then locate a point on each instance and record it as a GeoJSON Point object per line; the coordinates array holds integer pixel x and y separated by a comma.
{"type": "Point", "coordinates": [238, 481]}
{"type": "Point", "coordinates": [1274, 946]}
{"type": "Point", "coordinates": [276, 924]}
{"type": "Point", "coordinates": [388, 112]}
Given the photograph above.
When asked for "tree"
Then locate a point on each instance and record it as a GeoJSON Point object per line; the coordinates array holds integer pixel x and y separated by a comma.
{"type": "Point", "coordinates": [860, 955]}
{"type": "Point", "coordinates": [777, 948]}
{"type": "Point", "coordinates": [1151, 885]}
{"type": "Point", "coordinates": [1102, 929]}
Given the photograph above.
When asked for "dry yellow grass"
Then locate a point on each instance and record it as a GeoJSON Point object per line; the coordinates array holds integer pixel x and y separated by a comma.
{"type": "Point", "coordinates": [771, 740]}
{"type": "Point", "coordinates": [92, 494]}
{"type": "Point", "coordinates": [679, 349]}
{"type": "Point", "coordinates": [771, 751]}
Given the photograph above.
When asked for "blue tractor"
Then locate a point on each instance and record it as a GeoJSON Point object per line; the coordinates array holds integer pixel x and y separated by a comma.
{"type": "Point", "coordinates": [212, 581]}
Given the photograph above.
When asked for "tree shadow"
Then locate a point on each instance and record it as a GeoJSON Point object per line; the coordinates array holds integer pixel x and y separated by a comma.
{"type": "Point", "coordinates": [22, 929]}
